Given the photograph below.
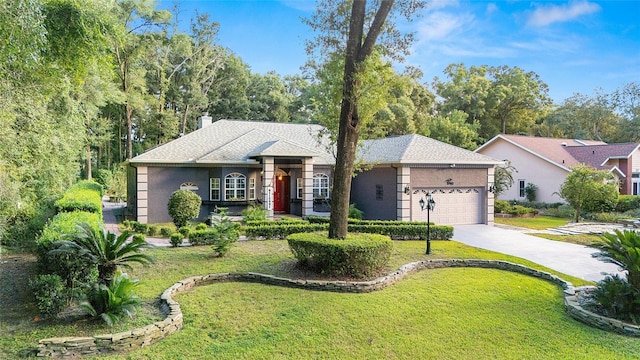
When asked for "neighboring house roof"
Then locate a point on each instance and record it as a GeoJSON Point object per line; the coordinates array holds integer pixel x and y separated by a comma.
{"type": "Point", "coordinates": [567, 153]}
{"type": "Point", "coordinates": [598, 156]}
{"type": "Point", "coordinates": [237, 142]}
{"type": "Point", "coordinates": [418, 149]}
{"type": "Point", "coordinates": [550, 149]}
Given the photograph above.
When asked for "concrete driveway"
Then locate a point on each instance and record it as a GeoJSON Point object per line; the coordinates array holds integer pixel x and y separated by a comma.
{"type": "Point", "coordinates": [571, 259]}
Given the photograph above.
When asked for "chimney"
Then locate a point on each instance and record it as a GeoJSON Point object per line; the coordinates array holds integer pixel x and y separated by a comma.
{"type": "Point", "coordinates": [204, 120]}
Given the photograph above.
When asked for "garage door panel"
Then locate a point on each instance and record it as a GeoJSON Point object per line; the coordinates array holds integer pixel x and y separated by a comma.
{"type": "Point", "coordinates": [454, 206]}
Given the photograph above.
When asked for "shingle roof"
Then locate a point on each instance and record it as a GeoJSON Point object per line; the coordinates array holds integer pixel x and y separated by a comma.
{"type": "Point", "coordinates": [417, 149]}
{"type": "Point", "coordinates": [567, 153]}
{"type": "Point", "coordinates": [598, 155]}
{"type": "Point", "coordinates": [234, 141]}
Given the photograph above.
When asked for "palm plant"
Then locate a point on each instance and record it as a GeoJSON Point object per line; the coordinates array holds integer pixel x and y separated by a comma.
{"type": "Point", "coordinates": [106, 250]}
{"type": "Point", "coordinates": [113, 302]}
{"type": "Point", "coordinates": [622, 249]}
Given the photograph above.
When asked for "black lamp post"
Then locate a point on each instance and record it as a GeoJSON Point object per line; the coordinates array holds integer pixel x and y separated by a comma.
{"type": "Point", "coordinates": [429, 204]}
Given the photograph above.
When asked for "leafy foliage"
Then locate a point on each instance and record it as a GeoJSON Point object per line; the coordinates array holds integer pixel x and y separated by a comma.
{"type": "Point", "coordinates": [113, 302]}
{"type": "Point", "coordinates": [254, 212]}
{"type": "Point", "coordinates": [50, 294]}
{"type": "Point", "coordinates": [589, 189]}
{"type": "Point", "coordinates": [176, 239]}
{"type": "Point", "coordinates": [623, 249]}
{"type": "Point", "coordinates": [183, 206]}
{"type": "Point", "coordinates": [615, 297]}
{"type": "Point", "coordinates": [357, 255]}
{"type": "Point", "coordinates": [105, 249]}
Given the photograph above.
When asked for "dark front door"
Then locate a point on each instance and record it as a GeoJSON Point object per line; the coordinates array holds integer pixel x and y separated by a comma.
{"type": "Point", "coordinates": [281, 194]}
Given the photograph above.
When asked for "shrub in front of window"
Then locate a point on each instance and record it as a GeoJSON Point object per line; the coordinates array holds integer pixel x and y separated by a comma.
{"type": "Point", "coordinates": [183, 206]}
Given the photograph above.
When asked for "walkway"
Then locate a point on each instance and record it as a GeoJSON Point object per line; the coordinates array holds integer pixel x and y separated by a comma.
{"type": "Point", "coordinates": [571, 259]}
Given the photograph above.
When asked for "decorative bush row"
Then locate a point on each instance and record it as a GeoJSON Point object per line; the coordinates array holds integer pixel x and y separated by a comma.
{"type": "Point", "coordinates": [325, 220]}
{"type": "Point", "coordinates": [83, 196]}
{"type": "Point", "coordinates": [356, 256]}
{"type": "Point", "coordinates": [396, 230]}
{"type": "Point", "coordinates": [405, 231]}
{"type": "Point", "coordinates": [275, 230]}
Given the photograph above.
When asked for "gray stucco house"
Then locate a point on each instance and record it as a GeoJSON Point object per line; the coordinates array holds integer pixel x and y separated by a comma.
{"type": "Point", "coordinates": [288, 169]}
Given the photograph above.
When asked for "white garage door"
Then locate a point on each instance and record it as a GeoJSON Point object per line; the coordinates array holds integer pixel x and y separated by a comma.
{"type": "Point", "coordinates": [454, 206]}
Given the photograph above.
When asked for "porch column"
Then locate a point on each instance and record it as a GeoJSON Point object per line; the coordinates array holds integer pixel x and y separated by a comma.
{"type": "Point", "coordinates": [307, 188]}
{"type": "Point", "coordinates": [403, 200]}
{"type": "Point", "coordinates": [490, 196]}
{"type": "Point", "coordinates": [142, 194]}
{"type": "Point", "coordinates": [267, 185]}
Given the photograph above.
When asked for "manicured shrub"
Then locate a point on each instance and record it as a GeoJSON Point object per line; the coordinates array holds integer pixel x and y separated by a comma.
{"type": "Point", "coordinates": [113, 302]}
{"type": "Point", "coordinates": [176, 239]}
{"type": "Point", "coordinates": [184, 231]}
{"type": "Point", "coordinates": [183, 206]}
{"type": "Point", "coordinates": [152, 230]}
{"type": "Point", "coordinates": [281, 231]}
{"type": "Point", "coordinates": [356, 256]}
{"type": "Point", "coordinates": [221, 235]}
{"type": "Point", "coordinates": [501, 206]}
{"type": "Point", "coordinates": [531, 192]}
{"type": "Point", "coordinates": [627, 202]}
{"type": "Point", "coordinates": [140, 228]}
{"type": "Point", "coordinates": [83, 196]}
{"type": "Point", "coordinates": [50, 294]}
{"type": "Point", "coordinates": [165, 231]}
{"type": "Point", "coordinates": [253, 213]}
{"type": "Point", "coordinates": [202, 226]}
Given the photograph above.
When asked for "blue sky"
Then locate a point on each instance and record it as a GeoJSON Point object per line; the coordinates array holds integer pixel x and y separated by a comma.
{"type": "Point", "coordinates": [575, 46]}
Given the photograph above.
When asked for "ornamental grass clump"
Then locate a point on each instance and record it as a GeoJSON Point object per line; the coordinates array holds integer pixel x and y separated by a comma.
{"type": "Point", "coordinates": [357, 256]}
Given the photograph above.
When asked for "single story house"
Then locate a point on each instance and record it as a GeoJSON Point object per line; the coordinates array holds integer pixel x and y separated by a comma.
{"type": "Point", "coordinates": [546, 162]}
{"type": "Point", "coordinates": [288, 169]}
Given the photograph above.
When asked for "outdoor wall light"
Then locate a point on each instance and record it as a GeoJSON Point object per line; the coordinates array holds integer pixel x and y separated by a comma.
{"type": "Point", "coordinates": [491, 188]}
{"type": "Point", "coordinates": [407, 189]}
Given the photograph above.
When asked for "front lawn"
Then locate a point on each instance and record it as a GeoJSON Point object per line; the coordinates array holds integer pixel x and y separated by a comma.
{"type": "Point", "coordinates": [536, 222]}
{"type": "Point", "coordinates": [445, 313]}
{"type": "Point", "coordinates": [580, 239]}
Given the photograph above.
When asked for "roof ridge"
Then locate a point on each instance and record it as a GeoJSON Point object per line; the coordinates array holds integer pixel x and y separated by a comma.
{"type": "Point", "coordinates": [225, 144]}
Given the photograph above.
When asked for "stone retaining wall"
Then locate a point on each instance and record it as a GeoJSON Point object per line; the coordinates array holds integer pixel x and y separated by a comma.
{"type": "Point", "coordinates": [129, 340]}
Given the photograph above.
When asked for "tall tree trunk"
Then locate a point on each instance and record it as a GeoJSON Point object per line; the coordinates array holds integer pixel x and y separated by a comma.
{"type": "Point", "coordinates": [356, 53]}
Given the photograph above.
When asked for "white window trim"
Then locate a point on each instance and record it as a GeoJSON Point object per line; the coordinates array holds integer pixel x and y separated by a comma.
{"type": "Point", "coordinates": [212, 187]}
{"type": "Point", "coordinates": [319, 190]}
{"type": "Point", "coordinates": [236, 179]}
{"type": "Point", "coordinates": [252, 188]}
{"type": "Point", "coordinates": [299, 187]}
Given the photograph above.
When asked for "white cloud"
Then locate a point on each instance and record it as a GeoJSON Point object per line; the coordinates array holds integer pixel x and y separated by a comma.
{"type": "Point", "coordinates": [441, 25]}
{"type": "Point", "coordinates": [491, 8]}
{"type": "Point", "coordinates": [546, 15]}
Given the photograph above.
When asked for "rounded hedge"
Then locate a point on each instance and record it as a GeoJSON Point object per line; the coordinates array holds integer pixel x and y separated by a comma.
{"type": "Point", "coordinates": [183, 206]}
{"type": "Point", "coordinates": [358, 256]}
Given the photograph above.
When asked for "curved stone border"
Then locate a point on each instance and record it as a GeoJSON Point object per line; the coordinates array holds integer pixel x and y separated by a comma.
{"type": "Point", "coordinates": [129, 340]}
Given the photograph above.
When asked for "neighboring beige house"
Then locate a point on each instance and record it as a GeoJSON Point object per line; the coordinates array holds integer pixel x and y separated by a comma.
{"type": "Point", "coordinates": [546, 162]}
{"type": "Point", "coordinates": [288, 168]}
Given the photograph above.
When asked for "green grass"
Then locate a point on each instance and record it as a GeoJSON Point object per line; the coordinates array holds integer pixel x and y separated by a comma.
{"type": "Point", "coordinates": [536, 223]}
{"type": "Point", "coordinates": [580, 239]}
{"type": "Point", "coordinates": [439, 314]}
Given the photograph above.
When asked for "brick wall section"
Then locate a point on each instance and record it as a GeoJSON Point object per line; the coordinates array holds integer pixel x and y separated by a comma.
{"type": "Point", "coordinates": [129, 340]}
